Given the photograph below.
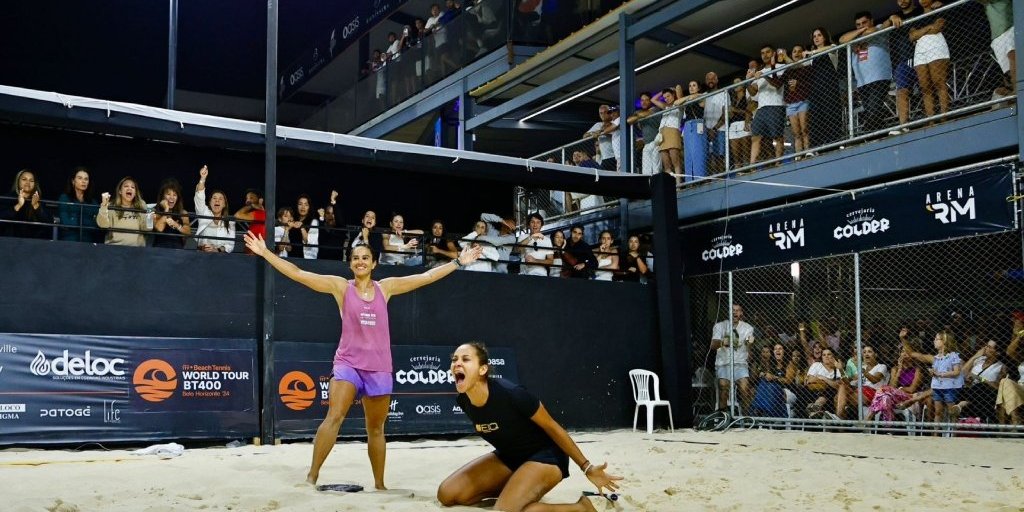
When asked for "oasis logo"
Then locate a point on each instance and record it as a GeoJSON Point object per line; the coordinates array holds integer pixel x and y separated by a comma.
{"type": "Point", "coordinates": [296, 76]}
{"type": "Point", "coordinates": [428, 409]}
{"type": "Point", "coordinates": [722, 247]}
{"type": "Point", "coordinates": [496, 362]}
{"type": "Point", "coordinates": [787, 233]}
{"type": "Point", "coordinates": [80, 412]}
{"type": "Point", "coordinates": [155, 380]}
{"type": "Point", "coordinates": [297, 390]}
{"type": "Point", "coordinates": [949, 205]}
{"type": "Point", "coordinates": [860, 223]}
{"type": "Point", "coordinates": [70, 367]}
{"type": "Point", "coordinates": [349, 29]}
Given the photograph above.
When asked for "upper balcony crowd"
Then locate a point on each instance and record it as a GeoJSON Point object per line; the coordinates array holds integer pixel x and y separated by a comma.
{"type": "Point", "coordinates": [923, 65]}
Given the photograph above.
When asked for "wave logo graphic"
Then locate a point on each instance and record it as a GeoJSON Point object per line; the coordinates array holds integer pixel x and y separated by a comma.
{"type": "Point", "coordinates": [297, 390]}
{"type": "Point", "coordinates": [155, 380]}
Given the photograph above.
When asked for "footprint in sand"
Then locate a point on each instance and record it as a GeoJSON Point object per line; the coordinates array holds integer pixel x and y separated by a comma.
{"type": "Point", "coordinates": [60, 506]}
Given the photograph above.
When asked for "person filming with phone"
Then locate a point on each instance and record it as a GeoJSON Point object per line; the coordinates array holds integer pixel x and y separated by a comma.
{"type": "Point", "coordinates": [733, 345]}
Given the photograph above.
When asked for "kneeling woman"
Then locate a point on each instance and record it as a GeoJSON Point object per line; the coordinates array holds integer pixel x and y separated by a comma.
{"type": "Point", "coordinates": [532, 450]}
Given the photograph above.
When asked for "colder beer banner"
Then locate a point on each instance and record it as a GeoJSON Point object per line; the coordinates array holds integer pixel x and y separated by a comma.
{"type": "Point", "coordinates": [72, 389]}
{"type": "Point", "coordinates": [938, 208]}
{"type": "Point", "coordinates": [423, 400]}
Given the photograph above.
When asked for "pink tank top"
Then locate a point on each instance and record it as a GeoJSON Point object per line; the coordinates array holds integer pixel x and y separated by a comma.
{"type": "Point", "coordinates": [365, 342]}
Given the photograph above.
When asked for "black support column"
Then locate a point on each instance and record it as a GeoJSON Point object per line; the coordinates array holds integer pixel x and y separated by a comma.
{"type": "Point", "coordinates": [266, 273]}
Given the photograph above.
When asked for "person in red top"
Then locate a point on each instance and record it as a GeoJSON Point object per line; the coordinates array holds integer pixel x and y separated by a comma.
{"type": "Point", "coordinates": [254, 213]}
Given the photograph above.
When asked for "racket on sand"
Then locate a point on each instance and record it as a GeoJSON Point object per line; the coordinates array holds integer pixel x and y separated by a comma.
{"type": "Point", "coordinates": [340, 487]}
{"type": "Point", "coordinates": [611, 496]}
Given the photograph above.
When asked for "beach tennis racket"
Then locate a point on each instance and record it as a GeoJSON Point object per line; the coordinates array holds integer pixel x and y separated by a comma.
{"type": "Point", "coordinates": [610, 496]}
{"type": "Point", "coordinates": [340, 487]}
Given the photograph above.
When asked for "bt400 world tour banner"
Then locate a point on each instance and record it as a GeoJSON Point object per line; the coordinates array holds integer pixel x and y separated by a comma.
{"type": "Point", "coordinates": [67, 389]}
{"type": "Point", "coordinates": [422, 402]}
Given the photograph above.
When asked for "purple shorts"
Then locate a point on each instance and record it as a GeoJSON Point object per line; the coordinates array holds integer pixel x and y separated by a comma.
{"type": "Point", "coordinates": [367, 383]}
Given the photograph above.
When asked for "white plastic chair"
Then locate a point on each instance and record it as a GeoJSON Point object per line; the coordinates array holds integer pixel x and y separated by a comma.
{"type": "Point", "coordinates": [641, 382]}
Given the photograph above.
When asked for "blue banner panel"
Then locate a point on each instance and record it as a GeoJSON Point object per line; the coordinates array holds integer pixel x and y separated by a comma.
{"type": "Point", "coordinates": [73, 389]}
{"type": "Point", "coordinates": [937, 208]}
{"type": "Point", "coordinates": [422, 402]}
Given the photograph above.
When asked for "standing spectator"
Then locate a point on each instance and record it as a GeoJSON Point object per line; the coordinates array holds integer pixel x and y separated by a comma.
{"type": "Point", "coordinates": [253, 212]}
{"type": "Point", "coordinates": [26, 207]}
{"type": "Point", "coordinates": [607, 257]}
{"type": "Point", "coordinates": [127, 222]}
{"type": "Point", "coordinates": [739, 125]}
{"type": "Point", "coordinates": [288, 234]}
{"type": "Point", "coordinates": [732, 342]}
{"type": "Point", "coordinates": [603, 147]}
{"type": "Point", "coordinates": [578, 259]}
{"type": "Point", "coordinates": [368, 237]}
{"type": "Point", "coordinates": [770, 117]}
{"type": "Point", "coordinates": [396, 44]}
{"type": "Point", "coordinates": [671, 143]}
{"type": "Point", "coordinates": [695, 143]}
{"type": "Point", "coordinates": [582, 159]}
{"type": "Point", "coordinates": [947, 379]}
{"type": "Point", "coordinates": [1000, 23]}
{"type": "Point", "coordinates": [872, 67]}
{"type": "Point", "coordinates": [902, 52]}
{"type": "Point", "coordinates": [439, 248]}
{"type": "Point", "coordinates": [632, 262]}
{"type": "Point", "coordinates": [332, 237]}
{"type": "Point", "coordinates": [650, 162]}
{"type": "Point", "coordinates": [211, 222]}
{"type": "Point", "coordinates": [797, 96]}
{"type": "Point", "coordinates": [715, 107]}
{"type": "Point", "coordinates": [536, 248]}
{"type": "Point", "coordinates": [171, 226]}
{"type": "Point", "coordinates": [398, 251]}
{"type": "Point", "coordinates": [931, 59]}
{"type": "Point", "coordinates": [488, 253]}
{"type": "Point", "coordinates": [310, 227]}
{"type": "Point", "coordinates": [500, 236]}
{"type": "Point", "coordinates": [558, 242]}
{"type": "Point", "coordinates": [78, 208]}
{"type": "Point", "coordinates": [611, 129]}
{"type": "Point", "coordinates": [825, 112]}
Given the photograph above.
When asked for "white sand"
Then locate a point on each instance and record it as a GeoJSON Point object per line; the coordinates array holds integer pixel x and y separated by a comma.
{"type": "Point", "coordinates": [753, 470]}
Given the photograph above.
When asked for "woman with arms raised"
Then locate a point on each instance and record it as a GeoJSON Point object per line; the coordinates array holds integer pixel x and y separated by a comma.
{"type": "Point", "coordinates": [362, 363]}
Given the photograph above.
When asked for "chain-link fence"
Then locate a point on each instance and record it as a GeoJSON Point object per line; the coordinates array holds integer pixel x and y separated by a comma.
{"type": "Point", "coordinates": [883, 78]}
{"type": "Point", "coordinates": [853, 341]}
{"type": "Point", "coordinates": [598, 150]}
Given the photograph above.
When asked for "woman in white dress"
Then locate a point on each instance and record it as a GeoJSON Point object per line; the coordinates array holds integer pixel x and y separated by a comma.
{"type": "Point", "coordinates": [607, 258]}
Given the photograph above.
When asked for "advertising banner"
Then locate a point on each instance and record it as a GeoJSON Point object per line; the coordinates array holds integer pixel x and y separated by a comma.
{"type": "Point", "coordinates": [938, 208]}
{"type": "Point", "coordinates": [71, 389]}
{"type": "Point", "coordinates": [361, 17]}
{"type": "Point", "coordinates": [422, 402]}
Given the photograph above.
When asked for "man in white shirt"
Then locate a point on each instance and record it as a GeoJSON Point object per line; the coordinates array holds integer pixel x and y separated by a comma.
{"type": "Point", "coordinates": [733, 345]}
{"type": "Point", "coordinates": [536, 249]}
{"type": "Point", "coordinates": [770, 116]}
{"type": "Point", "coordinates": [605, 153]}
{"type": "Point", "coordinates": [714, 122]}
{"type": "Point", "coordinates": [611, 129]}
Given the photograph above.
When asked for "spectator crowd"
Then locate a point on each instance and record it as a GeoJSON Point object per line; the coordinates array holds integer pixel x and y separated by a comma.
{"type": "Point", "coordinates": [123, 217]}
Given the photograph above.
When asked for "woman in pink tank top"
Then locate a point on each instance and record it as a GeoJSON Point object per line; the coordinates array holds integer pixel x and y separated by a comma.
{"type": "Point", "coordinates": [362, 363]}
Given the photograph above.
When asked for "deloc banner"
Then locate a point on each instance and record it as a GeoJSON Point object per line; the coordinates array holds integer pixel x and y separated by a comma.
{"type": "Point", "coordinates": [938, 208]}
{"type": "Point", "coordinates": [74, 389]}
{"type": "Point", "coordinates": [361, 17]}
{"type": "Point", "coordinates": [422, 402]}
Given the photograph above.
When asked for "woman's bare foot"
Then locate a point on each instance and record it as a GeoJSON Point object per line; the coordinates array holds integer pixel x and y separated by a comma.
{"type": "Point", "coordinates": [586, 504]}
{"type": "Point", "coordinates": [311, 479]}
{"type": "Point", "coordinates": [380, 486]}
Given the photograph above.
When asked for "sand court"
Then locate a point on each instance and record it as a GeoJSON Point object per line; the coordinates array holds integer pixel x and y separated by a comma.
{"type": "Point", "coordinates": [685, 470]}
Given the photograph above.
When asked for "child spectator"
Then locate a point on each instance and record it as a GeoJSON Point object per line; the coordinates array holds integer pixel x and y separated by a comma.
{"type": "Point", "coordinates": [947, 379]}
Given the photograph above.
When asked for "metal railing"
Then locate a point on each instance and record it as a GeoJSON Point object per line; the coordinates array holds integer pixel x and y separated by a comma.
{"type": "Point", "coordinates": [957, 74]}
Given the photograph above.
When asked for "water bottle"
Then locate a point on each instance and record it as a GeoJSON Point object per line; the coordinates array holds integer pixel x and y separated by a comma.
{"type": "Point", "coordinates": [149, 218]}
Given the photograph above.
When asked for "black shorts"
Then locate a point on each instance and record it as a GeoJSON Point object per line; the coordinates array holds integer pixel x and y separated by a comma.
{"type": "Point", "coordinates": [551, 455]}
